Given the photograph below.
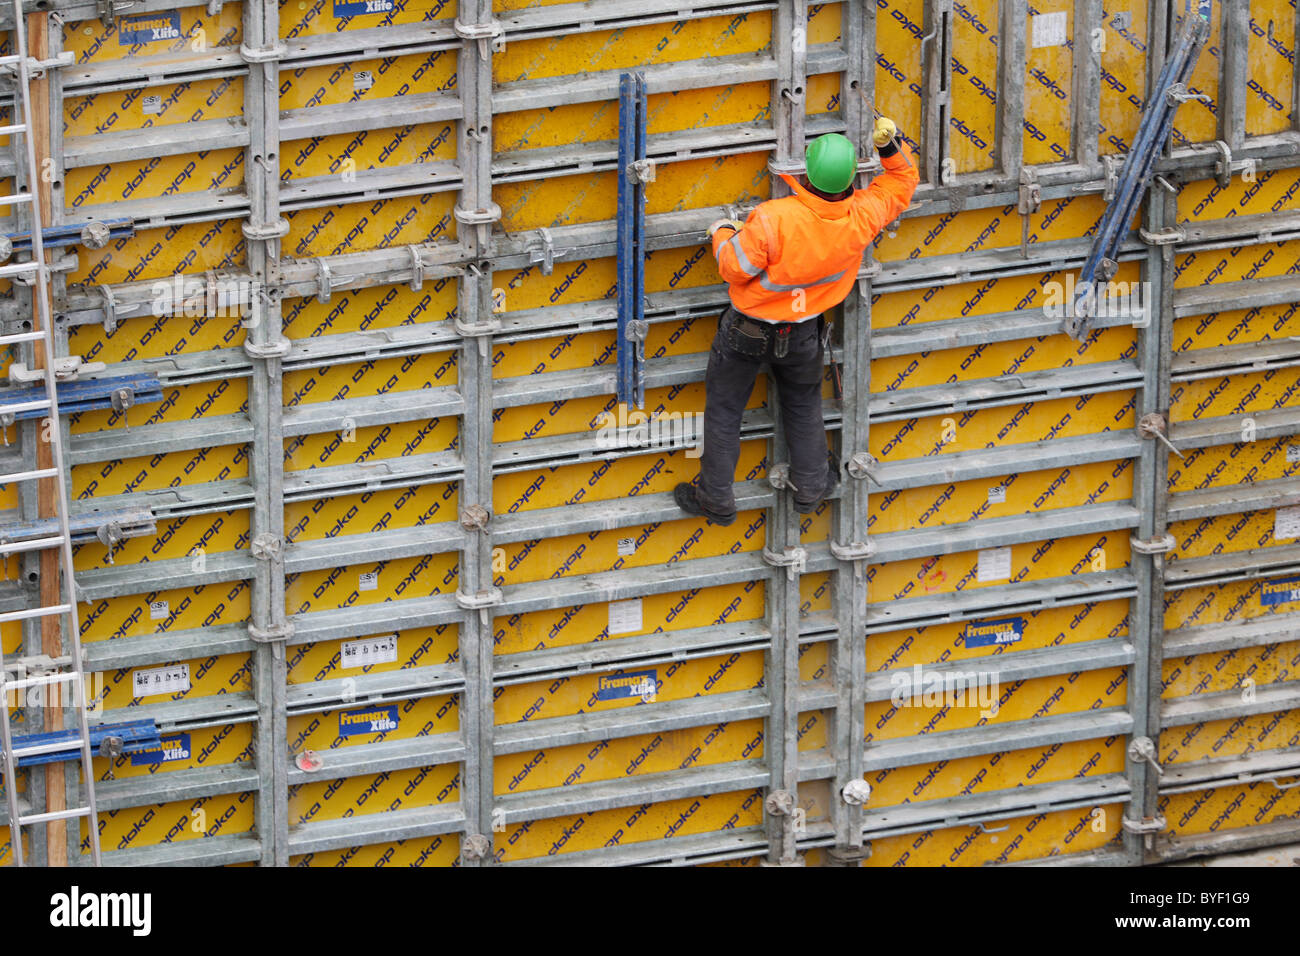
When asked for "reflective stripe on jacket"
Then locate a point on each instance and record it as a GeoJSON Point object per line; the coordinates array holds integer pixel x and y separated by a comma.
{"type": "Point", "coordinates": [799, 255]}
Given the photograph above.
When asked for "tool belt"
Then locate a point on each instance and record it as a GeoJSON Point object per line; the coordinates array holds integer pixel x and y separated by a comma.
{"type": "Point", "coordinates": [751, 337]}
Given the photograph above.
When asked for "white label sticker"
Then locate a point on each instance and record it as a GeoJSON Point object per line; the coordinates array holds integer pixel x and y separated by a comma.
{"type": "Point", "coordinates": [151, 104]}
{"type": "Point", "coordinates": [375, 650]}
{"type": "Point", "coordinates": [1049, 29]}
{"type": "Point", "coordinates": [161, 680]}
{"type": "Point", "coordinates": [997, 494]}
{"type": "Point", "coordinates": [626, 546]}
{"type": "Point", "coordinates": [994, 564]}
{"type": "Point", "coordinates": [1293, 454]}
{"type": "Point", "coordinates": [159, 610]}
{"type": "Point", "coordinates": [1286, 524]}
{"type": "Point", "coordinates": [362, 81]}
{"type": "Point", "coordinates": [624, 616]}
{"type": "Point", "coordinates": [369, 581]}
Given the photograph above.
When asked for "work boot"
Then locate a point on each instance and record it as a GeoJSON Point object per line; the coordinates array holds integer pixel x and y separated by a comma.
{"type": "Point", "coordinates": [832, 482]}
{"type": "Point", "coordinates": [687, 497]}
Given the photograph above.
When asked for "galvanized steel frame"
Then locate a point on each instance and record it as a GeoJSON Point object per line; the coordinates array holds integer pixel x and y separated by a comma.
{"type": "Point", "coordinates": [471, 259]}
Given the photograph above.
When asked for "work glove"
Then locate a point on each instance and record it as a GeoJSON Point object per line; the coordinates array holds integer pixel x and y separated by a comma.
{"type": "Point", "coordinates": [885, 136]}
{"type": "Point", "coordinates": [729, 223]}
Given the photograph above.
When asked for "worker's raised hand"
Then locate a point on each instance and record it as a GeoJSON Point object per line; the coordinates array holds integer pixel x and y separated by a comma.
{"type": "Point", "coordinates": [729, 223]}
{"type": "Point", "coordinates": [885, 133]}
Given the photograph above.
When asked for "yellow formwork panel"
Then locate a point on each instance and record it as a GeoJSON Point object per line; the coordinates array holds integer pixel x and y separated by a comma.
{"type": "Point", "coordinates": [159, 683]}
{"type": "Point", "coordinates": [922, 705]}
{"type": "Point", "coordinates": [590, 349]}
{"type": "Point", "coordinates": [1233, 602]}
{"type": "Point", "coordinates": [960, 299]}
{"type": "Point", "coordinates": [1271, 53]}
{"type": "Point", "coordinates": [1196, 121]}
{"type": "Point", "coordinates": [1123, 74]}
{"type": "Point", "coordinates": [161, 471]}
{"type": "Point", "coordinates": [938, 435]}
{"type": "Point", "coordinates": [1232, 533]}
{"type": "Point", "coordinates": [182, 403]}
{"type": "Point", "coordinates": [352, 657]}
{"type": "Point", "coordinates": [899, 80]}
{"type": "Point", "coordinates": [397, 376]}
{"type": "Point", "coordinates": [1262, 261]}
{"type": "Point", "coordinates": [583, 623]}
{"type": "Point", "coordinates": [383, 307]}
{"type": "Point", "coordinates": [176, 609]}
{"type": "Point", "coordinates": [1235, 669]}
{"type": "Point", "coordinates": [1027, 838]}
{"type": "Point", "coordinates": [633, 48]}
{"type": "Point", "coordinates": [169, 35]}
{"type": "Point", "coordinates": [194, 537]}
{"type": "Point", "coordinates": [996, 633]}
{"type": "Point", "coordinates": [1031, 561]}
{"type": "Point", "coordinates": [997, 227]}
{"type": "Point", "coordinates": [1226, 808]}
{"type": "Point", "coordinates": [1220, 466]}
{"type": "Point", "coordinates": [636, 546]}
{"type": "Point", "coordinates": [993, 359]}
{"type": "Point", "coordinates": [362, 723]}
{"type": "Point", "coordinates": [441, 850]}
{"type": "Point", "coordinates": [1242, 394]}
{"type": "Point", "coordinates": [1266, 191]}
{"type": "Point", "coordinates": [988, 773]}
{"type": "Point", "coordinates": [1231, 737]}
{"type": "Point", "coordinates": [371, 224]}
{"type": "Point", "coordinates": [156, 255]}
{"type": "Point", "coordinates": [367, 511]}
{"type": "Point", "coordinates": [960, 501]}
{"type": "Point", "coordinates": [184, 333]}
{"type": "Point", "coordinates": [302, 18]}
{"type": "Point", "coordinates": [973, 132]}
{"type": "Point", "coordinates": [582, 415]}
{"type": "Point", "coordinates": [186, 750]}
{"type": "Point", "coordinates": [1049, 65]}
{"type": "Point", "coordinates": [352, 446]}
{"type": "Point", "coordinates": [132, 827]}
{"type": "Point", "coordinates": [625, 825]}
{"type": "Point", "coordinates": [1232, 327]}
{"type": "Point", "coordinates": [357, 585]}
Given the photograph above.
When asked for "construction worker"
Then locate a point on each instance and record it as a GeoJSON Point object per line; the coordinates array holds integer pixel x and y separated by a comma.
{"type": "Point", "coordinates": [793, 259]}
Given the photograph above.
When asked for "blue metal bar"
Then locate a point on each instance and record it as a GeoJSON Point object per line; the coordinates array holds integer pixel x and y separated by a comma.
{"type": "Point", "coordinates": [70, 234]}
{"type": "Point", "coordinates": [1139, 168]}
{"type": "Point", "coordinates": [631, 240]}
{"type": "Point", "coordinates": [136, 735]}
{"type": "Point", "coordinates": [86, 395]}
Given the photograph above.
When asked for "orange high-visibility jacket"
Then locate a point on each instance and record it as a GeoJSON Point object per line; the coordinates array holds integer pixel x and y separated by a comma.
{"type": "Point", "coordinates": [799, 255]}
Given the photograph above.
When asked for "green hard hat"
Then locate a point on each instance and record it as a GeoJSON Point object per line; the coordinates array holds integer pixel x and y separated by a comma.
{"type": "Point", "coordinates": [832, 162]}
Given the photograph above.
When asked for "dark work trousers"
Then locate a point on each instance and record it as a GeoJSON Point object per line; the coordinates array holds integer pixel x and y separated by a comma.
{"type": "Point", "coordinates": [728, 384]}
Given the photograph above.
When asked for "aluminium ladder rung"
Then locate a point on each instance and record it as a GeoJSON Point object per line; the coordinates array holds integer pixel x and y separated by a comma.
{"type": "Point", "coordinates": [16, 407]}
{"type": "Point", "coordinates": [55, 815]}
{"type": "Point", "coordinates": [15, 337]}
{"type": "Point", "coordinates": [28, 475]}
{"type": "Point", "coordinates": [22, 682]}
{"type": "Point", "coordinates": [36, 544]}
{"type": "Point", "coordinates": [16, 198]}
{"type": "Point", "coordinates": [49, 611]}
{"type": "Point", "coordinates": [16, 128]}
{"type": "Point", "coordinates": [19, 269]}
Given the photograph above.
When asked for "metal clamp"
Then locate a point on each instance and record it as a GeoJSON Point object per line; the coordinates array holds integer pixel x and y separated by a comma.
{"type": "Point", "coordinates": [1165, 237]}
{"type": "Point", "coordinates": [641, 171]}
{"type": "Point", "coordinates": [1110, 166]}
{"type": "Point", "coordinates": [265, 55]}
{"type": "Point", "coordinates": [1154, 546]}
{"type": "Point", "coordinates": [791, 167]}
{"type": "Point", "coordinates": [109, 9]}
{"type": "Point", "coordinates": [476, 847]}
{"type": "Point", "coordinates": [110, 308]}
{"type": "Point", "coordinates": [637, 330]}
{"type": "Point", "coordinates": [478, 217]}
{"type": "Point", "coordinates": [1144, 748]}
{"type": "Point", "coordinates": [266, 547]}
{"type": "Point", "coordinates": [794, 559]}
{"type": "Point", "coordinates": [67, 368]}
{"type": "Point", "coordinates": [1153, 426]}
{"type": "Point", "coordinates": [277, 349]}
{"type": "Point", "coordinates": [862, 465]}
{"type": "Point", "coordinates": [983, 827]}
{"type": "Point", "coordinates": [542, 249]}
{"type": "Point", "coordinates": [857, 551]}
{"type": "Point", "coordinates": [265, 232]}
{"type": "Point", "coordinates": [491, 32]}
{"type": "Point", "coordinates": [475, 518]}
{"type": "Point", "coordinates": [856, 792]}
{"type": "Point", "coordinates": [272, 634]}
{"type": "Point", "coordinates": [780, 803]}
{"type": "Point", "coordinates": [778, 476]}
{"type": "Point", "coordinates": [480, 599]}
{"type": "Point", "coordinates": [417, 268]}
{"type": "Point", "coordinates": [1147, 826]}
{"type": "Point", "coordinates": [324, 280]}
{"type": "Point", "coordinates": [1177, 95]}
